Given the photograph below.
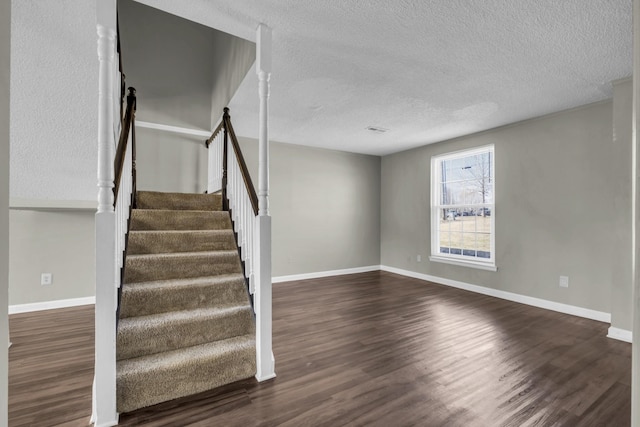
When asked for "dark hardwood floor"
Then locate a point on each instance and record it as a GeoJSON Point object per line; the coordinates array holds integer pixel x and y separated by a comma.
{"type": "Point", "coordinates": [51, 367]}
{"type": "Point", "coordinates": [371, 349]}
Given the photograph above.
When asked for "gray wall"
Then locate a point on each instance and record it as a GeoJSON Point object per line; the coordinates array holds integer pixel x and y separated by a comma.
{"type": "Point", "coordinates": [619, 173]}
{"type": "Point", "coordinates": [54, 107]}
{"type": "Point", "coordinates": [184, 74]}
{"type": "Point", "coordinates": [554, 208]}
{"type": "Point", "coordinates": [5, 49]}
{"type": "Point", "coordinates": [58, 242]}
{"type": "Point", "coordinates": [180, 69]}
{"type": "Point", "coordinates": [170, 162]}
{"type": "Point", "coordinates": [325, 207]}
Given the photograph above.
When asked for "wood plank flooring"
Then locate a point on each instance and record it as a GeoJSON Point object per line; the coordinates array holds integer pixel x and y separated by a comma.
{"type": "Point", "coordinates": [371, 349]}
{"type": "Point", "coordinates": [51, 367]}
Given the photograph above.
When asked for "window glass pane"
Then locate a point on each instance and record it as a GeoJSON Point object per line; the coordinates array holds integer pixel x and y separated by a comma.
{"type": "Point", "coordinates": [465, 201]}
{"type": "Point", "coordinates": [483, 245]}
{"type": "Point", "coordinates": [452, 193]}
{"type": "Point", "coordinates": [468, 222]}
{"type": "Point", "coordinates": [456, 243]}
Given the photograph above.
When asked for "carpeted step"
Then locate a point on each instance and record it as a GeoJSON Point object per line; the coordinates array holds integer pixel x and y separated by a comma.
{"type": "Point", "coordinates": [142, 299]}
{"type": "Point", "coordinates": [165, 241]}
{"type": "Point", "coordinates": [157, 333]}
{"type": "Point", "coordinates": [156, 378]}
{"type": "Point", "coordinates": [178, 201]}
{"type": "Point", "coordinates": [158, 219]}
{"type": "Point", "coordinates": [182, 265]}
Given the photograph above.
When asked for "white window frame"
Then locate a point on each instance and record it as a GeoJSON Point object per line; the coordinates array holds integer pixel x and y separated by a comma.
{"type": "Point", "coordinates": [436, 173]}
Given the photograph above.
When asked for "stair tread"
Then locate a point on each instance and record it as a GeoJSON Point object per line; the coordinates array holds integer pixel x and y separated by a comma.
{"type": "Point", "coordinates": [168, 359]}
{"type": "Point", "coordinates": [195, 281]}
{"type": "Point", "coordinates": [158, 319]}
{"type": "Point", "coordinates": [225, 252]}
{"type": "Point", "coordinates": [158, 333]}
{"type": "Point", "coordinates": [155, 378]}
{"type": "Point", "coordinates": [178, 201]}
{"type": "Point", "coordinates": [181, 211]}
{"type": "Point", "coordinates": [160, 296]}
{"type": "Point", "coordinates": [168, 219]}
{"type": "Point", "coordinates": [149, 232]}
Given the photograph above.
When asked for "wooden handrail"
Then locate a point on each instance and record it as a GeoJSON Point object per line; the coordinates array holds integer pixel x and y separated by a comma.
{"type": "Point", "coordinates": [243, 166]}
{"type": "Point", "coordinates": [214, 134]}
{"type": "Point", "coordinates": [118, 165]}
{"type": "Point", "coordinates": [229, 134]}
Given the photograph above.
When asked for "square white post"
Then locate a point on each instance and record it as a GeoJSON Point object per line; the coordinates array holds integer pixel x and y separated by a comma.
{"type": "Point", "coordinates": [265, 362]}
{"type": "Point", "coordinates": [104, 385]}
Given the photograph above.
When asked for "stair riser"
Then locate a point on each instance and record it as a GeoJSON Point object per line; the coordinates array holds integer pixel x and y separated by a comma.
{"type": "Point", "coordinates": [137, 339]}
{"type": "Point", "coordinates": [149, 269]}
{"type": "Point", "coordinates": [143, 302]}
{"type": "Point", "coordinates": [177, 201]}
{"type": "Point", "coordinates": [177, 220]}
{"type": "Point", "coordinates": [137, 389]}
{"type": "Point", "coordinates": [171, 242]}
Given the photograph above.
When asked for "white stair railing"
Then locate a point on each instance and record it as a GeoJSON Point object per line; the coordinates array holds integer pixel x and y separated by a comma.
{"type": "Point", "coordinates": [228, 168]}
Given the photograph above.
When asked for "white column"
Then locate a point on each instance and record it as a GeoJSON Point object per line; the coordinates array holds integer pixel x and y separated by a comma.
{"type": "Point", "coordinates": [635, 359]}
{"type": "Point", "coordinates": [104, 386]}
{"type": "Point", "coordinates": [106, 142]}
{"type": "Point", "coordinates": [264, 355]}
{"type": "Point", "coordinates": [263, 69]}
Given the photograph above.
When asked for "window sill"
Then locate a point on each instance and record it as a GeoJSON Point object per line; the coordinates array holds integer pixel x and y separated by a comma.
{"type": "Point", "coordinates": [463, 263]}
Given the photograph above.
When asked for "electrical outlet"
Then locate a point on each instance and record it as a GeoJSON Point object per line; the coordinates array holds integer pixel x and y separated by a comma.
{"type": "Point", "coordinates": [419, 258]}
{"type": "Point", "coordinates": [564, 281]}
{"type": "Point", "coordinates": [46, 279]}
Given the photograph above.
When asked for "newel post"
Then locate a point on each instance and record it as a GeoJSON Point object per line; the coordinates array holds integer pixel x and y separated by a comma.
{"type": "Point", "coordinates": [104, 384]}
{"type": "Point", "coordinates": [264, 356]}
{"type": "Point", "coordinates": [225, 152]}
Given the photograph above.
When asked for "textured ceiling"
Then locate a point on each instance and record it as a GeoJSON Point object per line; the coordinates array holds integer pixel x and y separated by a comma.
{"type": "Point", "coordinates": [425, 70]}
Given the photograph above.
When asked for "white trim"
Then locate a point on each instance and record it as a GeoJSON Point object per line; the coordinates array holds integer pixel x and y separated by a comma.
{"type": "Point", "coordinates": [49, 305]}
{"type": "Point", "coordinates": [46, 204]}
{"type": "Point", "coordinates": [620, 334]}
{"type": "Point", "coordinates": [174, 129]}
{"type": "Point", "coordinates": [319, 274]}
{"type": "Point", "coordinates": [510, 296]}
{"type": "Point", "coordinates": [463, 263]}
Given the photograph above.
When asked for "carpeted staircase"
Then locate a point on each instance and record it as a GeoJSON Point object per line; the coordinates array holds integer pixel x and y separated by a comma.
{"type": "Point", "coordinates": [186, 324]}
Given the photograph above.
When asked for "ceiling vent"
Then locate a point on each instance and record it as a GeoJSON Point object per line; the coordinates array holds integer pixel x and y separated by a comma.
{"type": "Point", "coordinates": [376, 129]}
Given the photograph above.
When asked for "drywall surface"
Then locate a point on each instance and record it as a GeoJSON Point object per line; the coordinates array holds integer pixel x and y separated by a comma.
{"type": "Point", "coordinates": [554, 208]}
{"type": "Point", "coordinates": [58, 242]}
{"type": "Point", "coordinates": [170, 162]}
{"type": "Point", "coordinates": [619, 172]}
{"type": "Point", "coordinates": [325, 207]}
{"type": "Point", "coordinates": [54, 107]}
{"type": "Point", "coordinates": [180, 69]}
{"type": "Point", "coordinates": [5, 59]}
{"type": "Point", "coordinates": [233, 59]}
{"type": "Point", "coordinates": [426, 70]}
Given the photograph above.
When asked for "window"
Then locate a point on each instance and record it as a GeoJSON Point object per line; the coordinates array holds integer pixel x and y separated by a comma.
{"type": "Point", "coordinates": [463, 209]}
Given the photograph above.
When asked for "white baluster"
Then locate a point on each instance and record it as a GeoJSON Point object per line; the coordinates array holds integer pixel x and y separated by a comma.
{"type": "Point", "coordinates": [241, 240]}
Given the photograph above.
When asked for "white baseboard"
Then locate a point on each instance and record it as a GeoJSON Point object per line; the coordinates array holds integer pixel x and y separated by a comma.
{"type": "Point", "coordinates": [49, 305]}
{"type": "Point", "coordinates": [620, 334]}
{"type": "Point", "coordinates": [305, 276]}
{"type": "Point", "coordinates": [510, 296]}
